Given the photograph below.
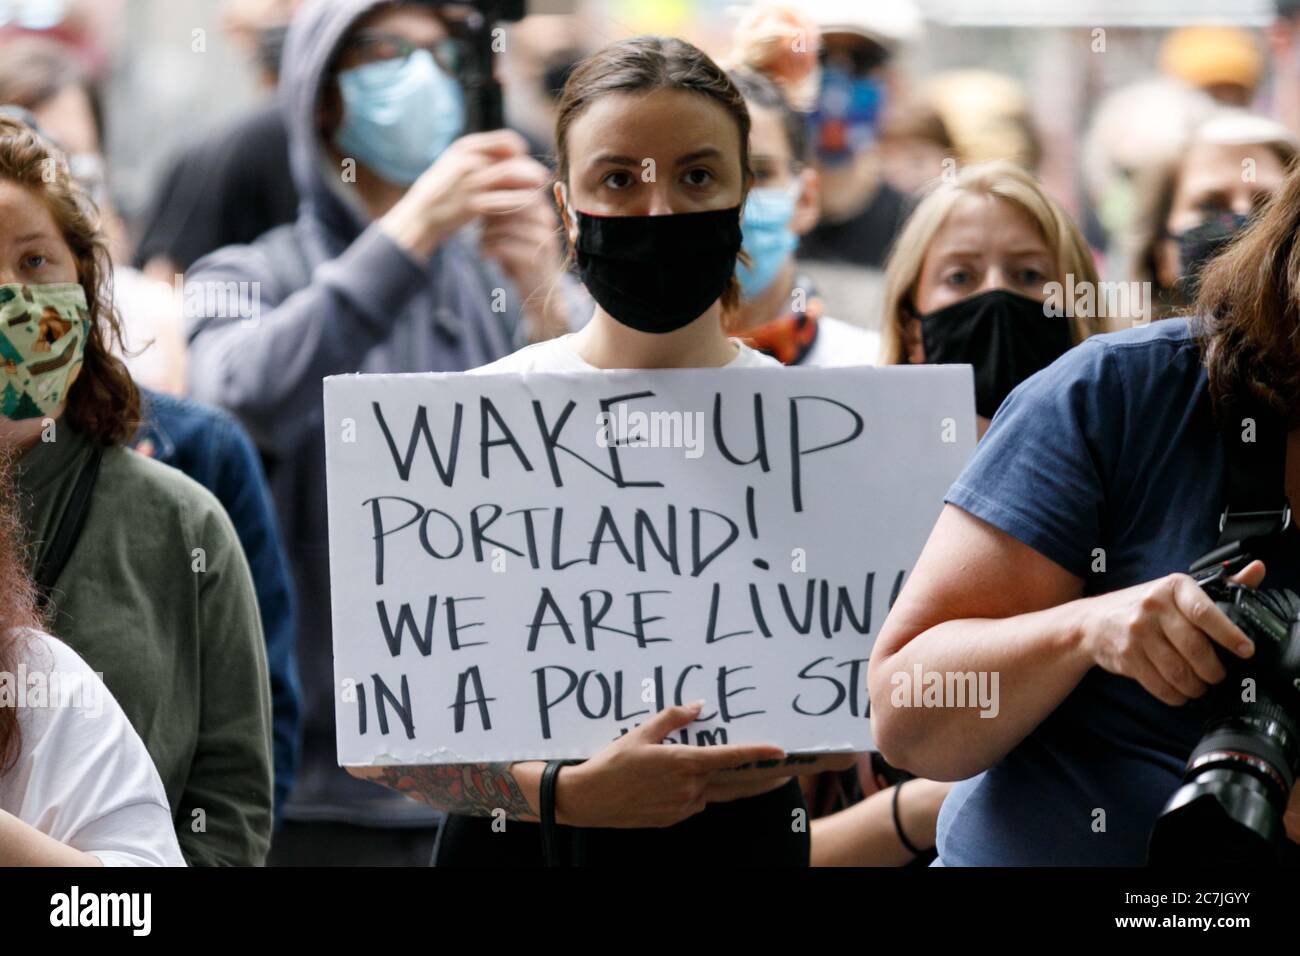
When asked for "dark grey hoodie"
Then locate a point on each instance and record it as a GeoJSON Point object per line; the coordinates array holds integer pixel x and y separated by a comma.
{"type": "Point", "coordinates": [336, 296]}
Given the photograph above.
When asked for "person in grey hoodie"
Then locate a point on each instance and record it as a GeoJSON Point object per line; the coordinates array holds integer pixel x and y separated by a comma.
{"type": "Point", "coordinates": [378, 274]}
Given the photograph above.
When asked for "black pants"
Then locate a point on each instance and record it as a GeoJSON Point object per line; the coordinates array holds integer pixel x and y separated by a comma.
{"type": "Point", "coordinates": [344, 844]}
{"type": "Point", "coordinates": [768, 830]}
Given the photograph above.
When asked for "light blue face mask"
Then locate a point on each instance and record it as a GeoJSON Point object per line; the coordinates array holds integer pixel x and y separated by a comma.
{"type": "Point", "coordinates": [399, 115]}
{"type": "Point", "coordinates": [765, 224]}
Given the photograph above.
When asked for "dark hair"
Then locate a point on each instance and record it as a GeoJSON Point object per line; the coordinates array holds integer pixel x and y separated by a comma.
{"type": "Point", "coordinates": [760, 90]}
{"type": "Point", "coordinates": [644, 65]}
{"type": "Point", "coordinates": [17, 606]}
{"type": "Point", "coordinates": [34, 70]}
{"type": "Point", "coordinates": [103, 402]}
{"type": "Point", "coordinates": [1248, 306]}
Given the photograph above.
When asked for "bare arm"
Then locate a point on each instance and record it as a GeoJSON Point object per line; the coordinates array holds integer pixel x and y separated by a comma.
{"type": "Point", "coordinates": [635, 781]}
{"type": "Point", "coordinates": [864, 834]}
{"type": "Point", "coordinates": [467, 789]}
{"type": "Point", "coordinates": [21, 844]}
{"type": "Point", "coordinates": [979, 600]}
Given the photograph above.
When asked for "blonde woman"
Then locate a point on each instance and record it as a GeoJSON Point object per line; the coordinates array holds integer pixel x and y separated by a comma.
{"type": "Point", "coordinates": [988, 271]}
{"type": "Point", "coordinates": [968, 281]}
{"type": "Point", "coordinates": [637, 800]}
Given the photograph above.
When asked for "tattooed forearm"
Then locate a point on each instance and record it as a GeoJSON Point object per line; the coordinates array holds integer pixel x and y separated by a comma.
{"type": "Point", "coordinates": [470, 789]}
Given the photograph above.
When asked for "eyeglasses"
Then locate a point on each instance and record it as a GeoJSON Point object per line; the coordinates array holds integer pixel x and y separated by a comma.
{"type": "Point", "coordinates": [373, 46]}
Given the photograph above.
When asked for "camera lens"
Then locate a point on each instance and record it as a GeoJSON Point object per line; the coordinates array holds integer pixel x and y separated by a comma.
{"type": "Point", "coordinates": [1229, 808]}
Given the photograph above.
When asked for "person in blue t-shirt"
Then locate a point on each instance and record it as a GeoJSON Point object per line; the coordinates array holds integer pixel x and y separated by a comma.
{"type": "Point", "coordinates": [1056, 566]}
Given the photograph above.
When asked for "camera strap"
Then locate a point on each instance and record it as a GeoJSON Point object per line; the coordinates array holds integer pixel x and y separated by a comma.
{"type": "Point", "coordinates": [1254, 445]}
{"type": "Point", "coordinates": [68, 531]}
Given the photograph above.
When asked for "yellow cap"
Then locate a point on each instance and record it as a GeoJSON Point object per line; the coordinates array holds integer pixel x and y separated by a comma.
{"type": "Point", "coordinates": [1211, 56]}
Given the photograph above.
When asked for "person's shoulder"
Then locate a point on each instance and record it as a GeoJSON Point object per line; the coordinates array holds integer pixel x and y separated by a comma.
{"type": "Point", "coordinates": [1150, 354]}
{"type": "Point", "coordinates": [1155, 344]}
{"type": "Point", "coordinates": [747, 357]}
{"type": "Point", "coordinates": [191, 435]}
{"type": "Point", "coordinates": [151, 491]}
{"type": "Point", "coordinates": [71, 688]}
{"type": "Point", "coordinates": [1165, 335]}
{"type": "Point", "coordinates": [216, 150]}
{"type": "Point", "coordinates": [49, 653]}
{"type": "Point", "coordinates": [262, 121]}
{"type": "Point", "coordinates": [85, 776]}
{"type": "Point", "coordinates": [185, 414]}
{"type": "Point", "coordinates": [842, 343]}
{"type": "Point", "coordinates": [552, 355]}
{"type": "Point", "coordinates": [1149, 366]}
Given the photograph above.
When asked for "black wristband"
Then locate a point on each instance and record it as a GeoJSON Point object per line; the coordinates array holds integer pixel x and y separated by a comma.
{"type": "Point", "coordinates": [898, 824]}
{"type": "Point", "coordinates": [546, 811]}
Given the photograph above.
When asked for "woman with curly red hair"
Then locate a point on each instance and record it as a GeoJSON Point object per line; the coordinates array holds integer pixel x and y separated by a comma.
{"type": "Point", "coordinates": [139, 566]}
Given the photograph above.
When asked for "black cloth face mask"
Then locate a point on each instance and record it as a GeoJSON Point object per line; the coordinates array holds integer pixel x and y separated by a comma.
{"type": "Point", "coordinates": [1200, 244]}
{"type": "Point", "coordinates": [657, 273]}
{"type": "Point", "coordinates": [1006, 337]}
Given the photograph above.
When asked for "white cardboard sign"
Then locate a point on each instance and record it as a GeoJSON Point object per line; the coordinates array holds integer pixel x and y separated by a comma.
{"type": "Point", "coordinates": [525, 566]}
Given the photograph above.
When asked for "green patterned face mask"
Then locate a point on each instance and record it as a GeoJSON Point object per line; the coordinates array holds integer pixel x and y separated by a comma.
{"type": "Point", "coordinates": [43, 331]}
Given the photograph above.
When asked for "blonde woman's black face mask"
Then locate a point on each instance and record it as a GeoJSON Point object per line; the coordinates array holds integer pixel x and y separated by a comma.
{"type": "Point", "coordinates": [1005, 336]}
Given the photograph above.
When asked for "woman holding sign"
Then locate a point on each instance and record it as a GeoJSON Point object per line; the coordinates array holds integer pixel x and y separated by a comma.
{"type": "Point", "coordinates": [653, 169]}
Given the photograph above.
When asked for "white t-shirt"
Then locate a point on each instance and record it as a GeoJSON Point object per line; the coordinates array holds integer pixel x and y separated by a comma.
{"type": "Point", "coordinates": [559, 355]}
{"type": "Point", "coordinates": [838, 344]}
{"type": "Point", "coordinates": [83, 775]}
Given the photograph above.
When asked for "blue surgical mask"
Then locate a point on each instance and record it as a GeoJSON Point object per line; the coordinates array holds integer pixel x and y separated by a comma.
{"type": "Point", "coordinates": [765, 225]}
{"type": "Point", "coordinates": [847, 113]}
{"type": "Point", "coordinates": [399, 115]}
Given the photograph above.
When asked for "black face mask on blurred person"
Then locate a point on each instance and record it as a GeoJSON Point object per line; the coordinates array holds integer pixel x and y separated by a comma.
{"type": "Point", "coordinates": [1006, 337]}
{"type": "Point", "coordinates": [657, 273]}
{"type": "Point", "coordinates": [1200, 244]}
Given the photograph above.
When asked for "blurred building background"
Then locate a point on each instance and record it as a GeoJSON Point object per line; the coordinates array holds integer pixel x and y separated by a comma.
{"type": "Point", "coordinates": [172, 69]}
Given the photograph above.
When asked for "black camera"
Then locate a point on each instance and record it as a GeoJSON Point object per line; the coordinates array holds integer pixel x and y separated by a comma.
{"type": "Point", "coordinates": [1234, 792]}
{"type": "Point", "coordinates": [475, 22]}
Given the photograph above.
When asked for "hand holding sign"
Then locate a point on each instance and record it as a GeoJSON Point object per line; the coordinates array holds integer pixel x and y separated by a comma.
{"type": "Point", "coordinates": [638, 781]}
